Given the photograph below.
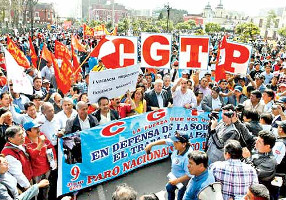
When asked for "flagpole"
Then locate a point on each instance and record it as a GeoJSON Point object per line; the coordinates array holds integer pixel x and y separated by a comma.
{"type": "Point", "coordinates": [82, 63]}
{"type": "Point", "coordinates": [39, 63]}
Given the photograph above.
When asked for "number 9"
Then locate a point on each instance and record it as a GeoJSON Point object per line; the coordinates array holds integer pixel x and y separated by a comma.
{"type": "Point", "coordinates": [75, 172]}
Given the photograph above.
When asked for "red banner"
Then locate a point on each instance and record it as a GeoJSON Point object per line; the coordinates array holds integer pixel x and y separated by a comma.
{"type": "Point", "coordinates": [87, 31]}
{"type": "Point", "coordinates": [17, 54]}
{"type": "Point", "coordinates": [46, 54]}
{"type": "Point", "coordinates": [63, 79]}
{"type": "Point", "coordinates": [77, 45]}
{"type": "Point", "coordinates": [34, 56]}
{"type": "Point", "coordinates": [62, 51]}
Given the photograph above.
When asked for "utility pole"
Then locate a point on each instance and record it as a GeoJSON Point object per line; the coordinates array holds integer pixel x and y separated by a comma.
{"type": "Point", "coordinates": [113, 14]}
{"type": "Point", "coordinates": [31, 17]}
{"type": "Point", "coordinates": [168, 15]}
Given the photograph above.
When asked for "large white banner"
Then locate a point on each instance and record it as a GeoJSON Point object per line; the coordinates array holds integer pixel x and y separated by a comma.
{"type": "Point", "coordinates": [112, 83]}
{"type": "Point", "coordinates": [21, 83]}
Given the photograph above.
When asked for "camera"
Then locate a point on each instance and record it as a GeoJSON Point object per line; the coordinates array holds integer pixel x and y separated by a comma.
{"type": "Point", "coordinates": [229, 114]}
{"type": "Point", "coordinates": [213, 115]}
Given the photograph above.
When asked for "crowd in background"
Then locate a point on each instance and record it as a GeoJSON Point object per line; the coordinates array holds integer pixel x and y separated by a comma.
{"type": "Point", "coordinates": [245, 147]}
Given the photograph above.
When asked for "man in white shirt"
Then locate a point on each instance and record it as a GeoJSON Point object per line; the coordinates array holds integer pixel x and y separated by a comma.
{"type": "Point", "coordinates": [50, 125]}
{"type": "Point", "coordinates": [67, 112]}
{"type": "Point", "coordinates": [182, 96]}
{"type": "Point", "coordinates": [48, 71]}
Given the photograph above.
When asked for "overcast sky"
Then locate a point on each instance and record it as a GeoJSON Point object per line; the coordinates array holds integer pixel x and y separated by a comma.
{"type": "Point", "coordinates": [249, 7]}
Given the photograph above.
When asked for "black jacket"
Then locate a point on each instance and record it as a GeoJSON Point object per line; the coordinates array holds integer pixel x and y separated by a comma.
{"type": "Point", "coordinates": [113, 115]}
{"type": "Point", "coordinates": [152, 101]}
{"type": "Point", "coordinates": [73, 124]}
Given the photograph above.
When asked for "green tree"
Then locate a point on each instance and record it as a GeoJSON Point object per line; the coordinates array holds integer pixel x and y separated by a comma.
{"type": "Point", "coordinates": [182, 26]}
{"type": "Point", "coordinates": [160, 16]}
{"type": "Point", "coordinates": [282, 32]}
{"type": "Point", "coordinates": [271, 18]}
{"type": "Point", "coordinates": [247, 31]}
{"type": "Point", "coordinates": [192, 23]}
{"type": "Point", "coordinates": [199, 31]}
{"type": "Point", "coordinates": [123, 26]}
{"type": "Point", "coordinates": [212, 27]}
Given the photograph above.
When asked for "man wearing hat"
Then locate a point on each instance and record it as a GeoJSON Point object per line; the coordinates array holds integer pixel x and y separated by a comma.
{"type": "Point", "coordinates": [237, 97]}
{"type": "Point", "coordinates": [256, 70]}
{"type": "Point", "coordinates": [259, 82]}
{"type": "Point", "coordinates": [179, 171]}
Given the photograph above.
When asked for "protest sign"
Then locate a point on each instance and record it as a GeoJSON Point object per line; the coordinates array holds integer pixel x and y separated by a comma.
{"type": "Point", "coordinates": [107, 151]}
{"type": "Point", "coordinates": [112, 83]}
{"type": "Point", "coordinates": [194, 52]}
{"type": "Point", "coordinates": [234, 57]}
{"type": "Point", "coordinates": [156, 50]}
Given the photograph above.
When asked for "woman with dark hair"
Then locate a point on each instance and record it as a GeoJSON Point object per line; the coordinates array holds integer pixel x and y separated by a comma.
{"type": "Point", "coordinates": [179, 174]}
{"type": "Point", "coordinates": [84, 97]}
{"type": "Point", "coordinates": [139, 101]}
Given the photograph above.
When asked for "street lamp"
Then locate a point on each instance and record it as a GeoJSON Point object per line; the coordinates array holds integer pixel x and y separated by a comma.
{"type": "Point", "coordinates": [168, 15]}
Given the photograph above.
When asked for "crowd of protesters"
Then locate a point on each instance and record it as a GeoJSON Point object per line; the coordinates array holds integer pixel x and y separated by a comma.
{"type": "Point", "coordinates": [245, 149]}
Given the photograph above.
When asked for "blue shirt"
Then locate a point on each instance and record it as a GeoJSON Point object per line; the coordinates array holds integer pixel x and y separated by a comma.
{"type": "Point", "coordinates": [197, 183]}
{"type": "Point", "coordinates": [179, 162]}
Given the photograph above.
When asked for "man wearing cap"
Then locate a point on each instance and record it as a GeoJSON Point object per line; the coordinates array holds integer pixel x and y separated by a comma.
{"type": "Point", "coordinates": [256, 70]}
{"type": "Point", "coordinates": [179, 169]}
{"type": "Point", "coordinates": [37, 145]}
{"type": "Point", "coordinates": [237, 97]}
{"type": "Point", "coordinates": [259, 82]}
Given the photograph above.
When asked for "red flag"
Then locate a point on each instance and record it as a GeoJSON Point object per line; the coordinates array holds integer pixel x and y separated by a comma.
{"type": "Point", "coordinates": [62, 51]}
{"type": "Point", "coordinates": [77, 45]}
{"type": "Point", "coordinates": [96, 51]}
{"type": "Point", "coordinates": [152, 70]}
{"type": "Point", "coordinates": [87, 31]}
{"type": "Point", "coordinates": [34, 56]}
{"type": "Point", "coordinates": [46, 54]}
{"type": "Point", "coordinates": [17, 54]}
{"type": "Point", "coordinates": [76, 65]}
{"type": "Point", "coordinates": [63, 79]}
{"type": "Point", "coordinates": [220, 71]}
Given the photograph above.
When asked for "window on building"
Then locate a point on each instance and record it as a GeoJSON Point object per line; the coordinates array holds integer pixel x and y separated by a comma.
{"type": "Point", "coordinates": [49, 15]}
{"type": "Point", "coordinates": [37, 14]}
{"type": "Point", "coordinates": [277, 23]}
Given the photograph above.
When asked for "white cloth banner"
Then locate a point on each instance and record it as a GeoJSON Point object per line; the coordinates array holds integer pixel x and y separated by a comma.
{"type": "Point", "coordinates": [112, 83]}
{"type": "Point", "coordinates": [20, 80]}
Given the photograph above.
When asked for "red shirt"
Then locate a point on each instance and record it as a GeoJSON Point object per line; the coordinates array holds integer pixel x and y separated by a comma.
{"type": "Point", "coordinates": [39, 160]}
{"type": "Point", "coordinates": [123, 109]}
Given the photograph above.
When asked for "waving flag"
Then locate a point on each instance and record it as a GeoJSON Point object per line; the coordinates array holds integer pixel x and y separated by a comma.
{"type": "Point", "coordinates": [63, 75]}
{"type": "Point", "coordinates": [77, 45]}
{"type": "Point", "coordinates": [76, 65]}
{"type": "Point", "coordinates": [21, 83]}
{"type": "Point", "coordinates": [34, 56]}
{"type": "Point", "coordinates": [62, 51]}
{"type": "Point", "coordinates": [87, 31]}
{"type": "Point", "coordinates": [17, 54]}
{"type": "Point", "coordinates": [220, 71]}
{"type": "Point", "coordinates": [46, 54]}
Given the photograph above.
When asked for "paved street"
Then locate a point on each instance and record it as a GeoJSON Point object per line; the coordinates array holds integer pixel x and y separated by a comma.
{"type": "Point", "coordinates": [150, 179]}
